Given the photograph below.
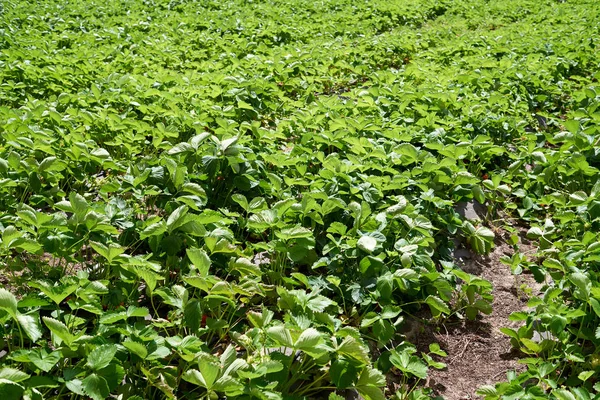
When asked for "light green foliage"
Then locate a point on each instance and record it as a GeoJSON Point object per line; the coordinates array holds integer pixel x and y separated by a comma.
{"type": "Point", "coordinates": [209, 199]}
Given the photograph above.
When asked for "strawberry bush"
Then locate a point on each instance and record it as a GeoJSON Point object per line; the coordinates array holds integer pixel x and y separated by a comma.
{"type": "Point", "coordinates": [237, 199]}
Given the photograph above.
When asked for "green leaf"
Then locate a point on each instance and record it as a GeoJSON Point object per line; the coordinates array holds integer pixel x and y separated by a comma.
{"type": "Point", "coordinates": [417, 368]}
{"type": "Point", "coordinates": [308, 341]}
{"type": "Point", "coordinates": [43, 359]}
{"type": "Point", "coordinates": [595, 306]}
{"type": "Point", "coordinates": [8, 302]}
{"type": "Point", "coordinates": [241, 200]}
{"type": "Point", "coordinates": [76, 386]}
{"type": "Point", "coordinates": [478, 194]}
{"type": "Point", "coordinates": [133, 311]}
{"type": "Point", "coordinates": [262, 319]}
{"type": "Point", "coordinates": [100, 249]}
{"type": "Point", "coordinates": [352, 349]}
{"type": "Point", "coordinates": [437, 305]}
{"type": "Point", "coordinates": [101, 356]}
{"type": "Point", "coordinates": [546, 368]}
{"type": "Point", "coordinates": [209, 368]}
{"type": "Point", "coordinates": [432, 363]}
{"type": "Point", "coordinates": [370, 393]}
{"type": "Point", "coordinates": [180, 148]}
{"type": "Point", "coordinates": [228, 385]}
{"type": "Point", "coordinates": [369, 383]}
{"type": "Point", "coordinates": [367, 244]}
{"type": "Point", "coordinates": [136, 348]}
{"type": "Point", "coordinates": [510, 332]}
{"type": "Point", "coordinates": [195, 189]}
{"type": "Point", "coordinates": [409, 153]}
{"type": "Point", "coordinates": [109, 252]}
{"type": "Point", "coordinates": [483, 306]}
{"type": "Point", "coordinates": [246, 267]}
{"type": "Point", "coordinates": [408, 364]}
{"type": "Point", "coordinates": [281, 335]}
{"type": "Point", "coordinates": [585, 375]}
{"type": "Point", "coordinates": [343, 374]}
{"type": "Point", "coordinates": [579, 197]}
{"type": "Point", "coordinates": [319, 303]}
{"type": "Point", "coordinates": [155, 229]}
{"type": "Point", "coordinates": [539, 157]}
{"type": "Point", "coordinates": [389, 312]}
{"type": "Point", "coordinates": [176, 219]}
{"type": "Point", "coordinates": [294, 233]}
{"type": "Point", "coordinates": [582, 282]}
{"type": "Point", "coordinates": [112, 317]}
{"type": "Point", "coordinates": [434, 348]}
{"type": "Point", "coordinates": [192, 315]}
{"type": "Point", "coordinates": [553, 263]}
{"type": "Point", "coordinates": [95, 387]}
{"type": "Point", "coordinates": [57, 293]}
{"type": "Point", "coordinates": [531, 345]}
{"type": "Point", "coordinates": [207, 375]}
{"type": "Point", "coordinates": [197, 282]}
{"type": "Point", "coordinates": [487, 390]}
{"type": "Point", "coordinates": [28, 245]}
{"type": "Point", "coordinates": [563, 394]}
{"type": "Point", "coordinates": [534, 233]}
{"type": "Point", "coordinates": [200, 259]}
{"type": "Point", "coordinates": [151, 278]}
{"type": "Point", "coordinates": [31, 325]}
{"type": "Point", "coordinates": [10, 390]}
{"type": "Point", "coordinates": [114, 374]}
{"type": "Point", "coordinates": [59, 329]}
{"type": "Point", "coordinates": [79, 204]}
{"type": "Point", "coordinates": [331, 205]}
{"type": "Point", "coordinates": [13, 375]}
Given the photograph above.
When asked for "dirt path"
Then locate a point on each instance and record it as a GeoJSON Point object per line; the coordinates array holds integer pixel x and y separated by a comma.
{"type": "Point", "coordinates": [478, 353]}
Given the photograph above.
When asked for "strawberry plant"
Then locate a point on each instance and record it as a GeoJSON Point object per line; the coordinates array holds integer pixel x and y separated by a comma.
{"type": "Point", "coordinates": [254, 200]}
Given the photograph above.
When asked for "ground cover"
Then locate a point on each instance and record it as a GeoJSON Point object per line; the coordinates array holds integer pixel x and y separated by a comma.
{"type": "Point", "coordinates": [238, 199]}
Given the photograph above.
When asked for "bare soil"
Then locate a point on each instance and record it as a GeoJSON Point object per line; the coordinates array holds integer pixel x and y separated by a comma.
{"type": "Point", "coordinates": [478, 353]}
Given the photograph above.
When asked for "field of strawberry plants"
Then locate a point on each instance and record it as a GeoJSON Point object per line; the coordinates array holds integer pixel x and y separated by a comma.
{"type": "Point", "coordinates": [256, 199]}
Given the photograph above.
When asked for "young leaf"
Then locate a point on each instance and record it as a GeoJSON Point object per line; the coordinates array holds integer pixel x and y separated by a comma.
{"type": "Point", "coordinates": [434, 348]}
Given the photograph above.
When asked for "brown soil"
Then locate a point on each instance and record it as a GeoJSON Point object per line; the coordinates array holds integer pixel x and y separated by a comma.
{"type": "Point", "coordinates": [478, 353]}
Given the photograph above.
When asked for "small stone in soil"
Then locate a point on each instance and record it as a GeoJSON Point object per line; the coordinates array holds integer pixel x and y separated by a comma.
{"type": "Point", "coordinates": [471, 210]}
